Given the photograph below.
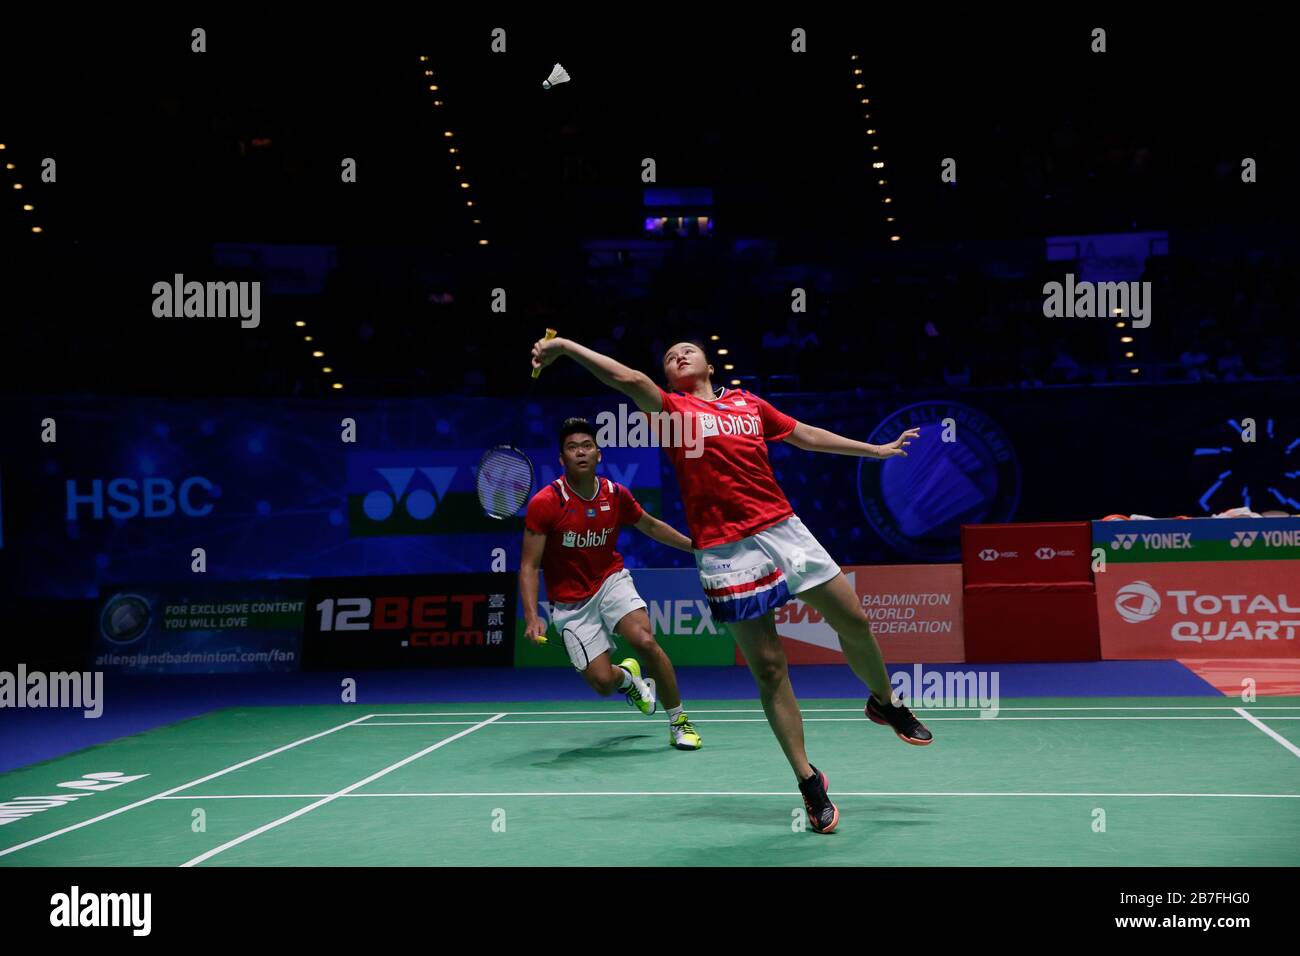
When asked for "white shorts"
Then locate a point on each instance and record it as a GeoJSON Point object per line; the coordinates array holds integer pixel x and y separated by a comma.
{"type": "Point", "coordinates": [586, 626]}
{"type": "Point", "coordinates": [750, 577]}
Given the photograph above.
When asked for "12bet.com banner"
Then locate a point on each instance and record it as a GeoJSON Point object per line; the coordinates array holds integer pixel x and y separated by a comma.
{"type": "Point", "coordinates": [410, 621]}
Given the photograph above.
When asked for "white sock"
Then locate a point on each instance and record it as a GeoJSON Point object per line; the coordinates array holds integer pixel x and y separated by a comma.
{"type": "Point", "coordinates": [627, 677]}
{"type": "Point", "coordinates": [674, 711]}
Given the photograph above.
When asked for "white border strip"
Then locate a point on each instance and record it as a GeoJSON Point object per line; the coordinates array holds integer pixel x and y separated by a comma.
{"type": "Point", "coordinates": [633, 721]}
{"type": "Point", "coordinates": [734, 793]}
{"type": "Point", "coordinates": [812, 710]}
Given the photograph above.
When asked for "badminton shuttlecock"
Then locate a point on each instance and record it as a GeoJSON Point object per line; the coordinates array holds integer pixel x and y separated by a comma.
{"type": "Point", "coordinates": [558, 75]}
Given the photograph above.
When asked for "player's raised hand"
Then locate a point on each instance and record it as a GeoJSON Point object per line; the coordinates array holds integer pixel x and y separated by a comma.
{"type": "Point", "coordinates": [546, 351]}
{"type": "Point", "coordinates": [895, 448]}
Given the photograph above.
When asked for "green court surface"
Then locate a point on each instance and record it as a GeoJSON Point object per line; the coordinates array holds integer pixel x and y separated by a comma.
{"type": "Point", "coordinates": [1175, 781]}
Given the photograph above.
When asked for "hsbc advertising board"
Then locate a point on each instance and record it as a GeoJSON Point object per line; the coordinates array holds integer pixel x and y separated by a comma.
{"type": "Point", "coordinates": [1199, 609]}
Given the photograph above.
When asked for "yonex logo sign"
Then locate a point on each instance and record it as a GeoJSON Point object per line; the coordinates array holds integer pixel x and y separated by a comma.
{"type": "Point", "coordinates": [420, 503]}
{"type": "Point", "coordinates": [1243, 539]}
{"type": "Point", "coordinates": [1154, 541]}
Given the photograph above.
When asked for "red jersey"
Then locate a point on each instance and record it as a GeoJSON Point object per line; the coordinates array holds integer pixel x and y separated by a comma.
{"type": "Point", "coordinates": [729, 491]}
{"type": "Point", "coordinates": [580, 536]}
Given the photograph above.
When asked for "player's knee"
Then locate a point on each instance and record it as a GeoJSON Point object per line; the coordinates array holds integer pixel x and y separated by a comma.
{"type": "Point", "coordinates": [641, 639]}
{"type": "Point", "coordinates": [769, 674]}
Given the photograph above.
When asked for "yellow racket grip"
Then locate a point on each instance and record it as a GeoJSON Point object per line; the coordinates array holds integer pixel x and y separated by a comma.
{"type": "Point", "coordinates": [550, 334]}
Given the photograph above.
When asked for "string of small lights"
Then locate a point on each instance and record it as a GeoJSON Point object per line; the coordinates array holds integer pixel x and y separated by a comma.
{"type": "Point", "coordinates": [1126, 343]}
{"type": "Point", "coordinates": [453, 149]}
{"type": "Point", "coordinates": [877, 154]}
{"type": "Point", "coordinates": [16, 187]}
{"type": "Point", "coordinates": [724, 352]}
{"type": "Point", "coordinates": [317, 353]}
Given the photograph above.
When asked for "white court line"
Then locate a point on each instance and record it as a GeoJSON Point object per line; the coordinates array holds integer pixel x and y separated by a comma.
{"type": "Point", "coordinates": [743, 793]}
{"type": "Point", "coordinates": [184, 786]}
{"type": "Point", "coordinates": [334, 796]}
{"type": "Point", "coordinates": [249, 796]}
{"type": "Point", "coordinates": [633, 720]}
{"type": "Point", "coordinates": [422, 723]}
{"type": "Point", "coordinates": [814, 710]}
{"type": "Point", "coordinates": [1270, 731]}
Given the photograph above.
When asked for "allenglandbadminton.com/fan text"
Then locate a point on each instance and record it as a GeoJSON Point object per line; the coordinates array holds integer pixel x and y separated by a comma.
{"type": "Point", "coordinates": [142, 659]}
{"type": "Point", "coordinates": [632, 428]}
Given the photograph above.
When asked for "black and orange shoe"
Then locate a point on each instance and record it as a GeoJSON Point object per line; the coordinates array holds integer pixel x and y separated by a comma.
{"type": "Point", "coordinates": [823, 816]}
{"type": "Point", "coordinates": [909, 729]}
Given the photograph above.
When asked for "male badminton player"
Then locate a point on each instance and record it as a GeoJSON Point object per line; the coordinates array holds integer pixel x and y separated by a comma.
{"type": "Point", "coordinates": [570, 530]}
{"type": "Point", "coordinates": [752, 551]}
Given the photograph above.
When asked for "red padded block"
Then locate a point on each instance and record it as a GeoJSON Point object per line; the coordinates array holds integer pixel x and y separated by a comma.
{"type": "Point", "coordinates": [1031, 623]}
{"type": "Point", "coordinates": [1022, 553]}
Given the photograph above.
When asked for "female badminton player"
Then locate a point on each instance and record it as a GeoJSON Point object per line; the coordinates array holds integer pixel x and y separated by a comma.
{"type": "Point", "coordinates": [752, 552]}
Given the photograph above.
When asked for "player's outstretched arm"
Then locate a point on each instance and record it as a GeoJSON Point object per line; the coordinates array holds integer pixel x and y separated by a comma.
{"type": "Point", "coordinates": [662, 532]}
{"type": "Point", "coordinates": [819, 439]}
{"type": "Point", "coordinates": [529, 562]}
{"type": "Point", "coordinates": [638, 386]}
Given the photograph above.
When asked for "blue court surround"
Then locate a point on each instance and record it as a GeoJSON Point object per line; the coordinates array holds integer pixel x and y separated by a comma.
{"type": "Point", "coordinates": [136, 704]}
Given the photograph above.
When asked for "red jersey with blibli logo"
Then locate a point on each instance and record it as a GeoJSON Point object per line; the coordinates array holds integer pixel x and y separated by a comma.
{"type": "Point", "coordinates": [580, 536]}
{"type": "Point", "coordinates": [728, 489]}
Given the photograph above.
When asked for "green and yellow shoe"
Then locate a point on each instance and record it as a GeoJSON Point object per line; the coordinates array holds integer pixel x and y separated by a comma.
{"type": "Point", "coordinates": [641, 694]}
{"type": "Point", "coordinates": [682, 734]}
